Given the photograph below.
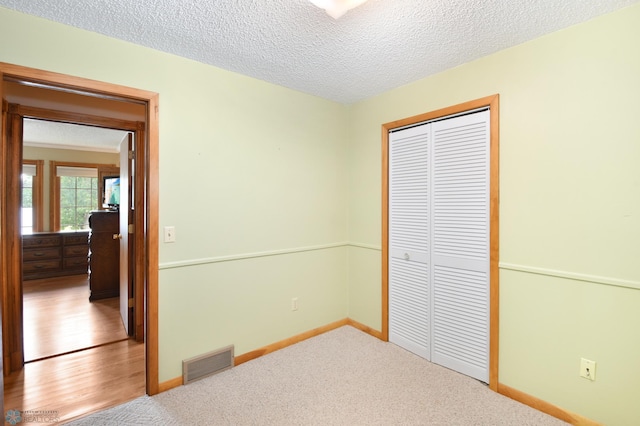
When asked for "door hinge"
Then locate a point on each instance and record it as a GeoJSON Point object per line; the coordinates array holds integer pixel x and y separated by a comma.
{"type": "Point", "coordinates": [131, 302]}
{"type": "Point", "coordinates": [131, 228]}
{"type": "Point", "coordinates": [132, 155]}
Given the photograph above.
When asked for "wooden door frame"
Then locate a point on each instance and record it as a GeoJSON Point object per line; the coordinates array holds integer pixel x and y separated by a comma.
{"type": "Point", "coordinates": [493, 102]}
{"type": "Point", "coordinates": [10, 244]}
{"type": "Point", "coordinates": [148, 238]}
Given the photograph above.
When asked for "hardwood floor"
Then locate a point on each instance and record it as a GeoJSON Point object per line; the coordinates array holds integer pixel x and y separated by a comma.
{"type": "Point", "coordinates": [76, 384]}
{"type": "Point", "coordinates": [59, 319]}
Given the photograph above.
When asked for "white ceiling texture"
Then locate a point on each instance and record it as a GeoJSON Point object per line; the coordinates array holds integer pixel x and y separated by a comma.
{"type": "Point", "coordinates": [378, 46]}
{"type": "Point", "coordinates": [49, 134]}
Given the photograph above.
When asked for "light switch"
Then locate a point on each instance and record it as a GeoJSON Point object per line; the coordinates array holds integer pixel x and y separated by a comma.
{"type": "Point", "coordinates": [169, 234]}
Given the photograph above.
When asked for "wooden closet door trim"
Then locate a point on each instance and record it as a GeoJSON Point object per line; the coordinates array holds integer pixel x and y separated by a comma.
{"type": "Point", "coordinates": [493, 102]}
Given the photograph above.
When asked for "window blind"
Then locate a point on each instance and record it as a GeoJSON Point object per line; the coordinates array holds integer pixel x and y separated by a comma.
{"type": "Point", "coordinates": [76, 171]}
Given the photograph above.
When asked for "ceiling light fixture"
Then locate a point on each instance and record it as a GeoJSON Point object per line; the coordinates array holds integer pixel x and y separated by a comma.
{"type": "Point", "coordinates": [337, 8]}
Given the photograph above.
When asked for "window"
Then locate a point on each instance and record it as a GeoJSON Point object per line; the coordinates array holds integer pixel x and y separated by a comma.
{"type": "Point", "coordinates": [31, 214]}
{"type": "Point", "coordinates": [75, 195]}
{"type": "Point", "coordinates": [78, 196]}
{"type": "Point", "coordinates": [26, 206]}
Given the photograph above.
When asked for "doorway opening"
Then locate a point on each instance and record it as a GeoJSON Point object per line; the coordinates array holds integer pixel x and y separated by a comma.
{"type": "Point", "coordinates": [144, 232]}
{"type": "Point", "coordinates": [70, 269]}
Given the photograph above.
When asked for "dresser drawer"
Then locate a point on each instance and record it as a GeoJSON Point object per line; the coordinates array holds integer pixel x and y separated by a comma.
{"type": "Point", "coordinates": [73, 251]}
{"type": "Point", "coordinates": [76, 239]}
{"type": "Point", "coordinates": [41, 254]}
{"type": "Point", "coordinates": [40, 266]}
{"type": "Point", "coordinates": [76, 263]}
{"type": "Point", "coordinates": [47, 241]}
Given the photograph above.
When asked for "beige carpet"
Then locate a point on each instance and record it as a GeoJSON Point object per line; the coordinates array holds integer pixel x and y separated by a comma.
{"type": "Point", "coordinates": [344, 377]}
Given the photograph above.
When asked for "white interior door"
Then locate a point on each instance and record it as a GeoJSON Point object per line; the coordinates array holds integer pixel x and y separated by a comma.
{"type": "Point", "coordinates": [125, 244]}
{"type": "Point", "coordinates": [460, 244]}
{"type": "Point", "coordinates": [409, 307]}
{"type": "Point", "coordinates": [439, 242]}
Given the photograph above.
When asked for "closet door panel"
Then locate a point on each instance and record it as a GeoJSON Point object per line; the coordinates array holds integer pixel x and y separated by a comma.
{"type": "Point", "coordinates": [461, 328]}
{"type": "Point", "coordinates": [409, 240]}
{"type": "Point", "coordinates": [460, 244]}
{"type": "Point", "coordinates": [408, 310]}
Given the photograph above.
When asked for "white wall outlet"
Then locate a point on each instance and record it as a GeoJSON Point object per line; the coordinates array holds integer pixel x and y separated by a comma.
{"type": "Point", "coordinates": [587, 369]}
{"type": "Point", "coordinates": [294, 304]}
{"type": "Point", "coordinates": [169, 234]}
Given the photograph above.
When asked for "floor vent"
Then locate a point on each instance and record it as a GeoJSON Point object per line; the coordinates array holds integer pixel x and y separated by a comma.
{"type": "Point", "coordinates": [205, 365]}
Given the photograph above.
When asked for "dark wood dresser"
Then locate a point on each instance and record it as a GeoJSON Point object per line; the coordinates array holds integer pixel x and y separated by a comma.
{"type": "Point", "coordinates": [104, 255]}
{"type": "Point", "coordinates": [54, 254]}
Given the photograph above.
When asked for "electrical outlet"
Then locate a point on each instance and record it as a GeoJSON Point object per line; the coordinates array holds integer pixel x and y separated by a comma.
{"type": "Point", "coordinates": [169, 234]}
{"type": "Point", "coordinates": [294, 304]}
{"type": "Point", "coordinates": [587, 369]}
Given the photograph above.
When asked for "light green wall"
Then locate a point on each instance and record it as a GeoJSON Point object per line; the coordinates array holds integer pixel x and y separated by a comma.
{"type": "Point", "coordinates": [248, 302]}
{"type": "Point", "coordinates": [569, 207]}
{"type": "Point", "coordinates": [286, 179]}
{"type": "Point", "coordinates": [76, 156]}
{"type": "Point", "coordinates": [246, 167]}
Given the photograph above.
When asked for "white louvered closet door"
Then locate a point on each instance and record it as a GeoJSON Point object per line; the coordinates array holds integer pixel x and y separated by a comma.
{"type": "Point", "coordinates": [409, 240]}
{"type": "Point", "coordinates": [460, 244]}
{"type": "Point", "coordinates": [439, 242]}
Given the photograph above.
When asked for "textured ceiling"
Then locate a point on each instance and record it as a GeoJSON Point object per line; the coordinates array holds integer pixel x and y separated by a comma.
{"type": "Point", "coordinates": [378, 46]}
{"type": "Point", "coordinates": [49, 134]}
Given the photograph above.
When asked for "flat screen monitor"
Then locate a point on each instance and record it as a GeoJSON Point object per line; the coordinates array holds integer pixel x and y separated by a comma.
{"type": "Point", "coordinates": [111, 192]}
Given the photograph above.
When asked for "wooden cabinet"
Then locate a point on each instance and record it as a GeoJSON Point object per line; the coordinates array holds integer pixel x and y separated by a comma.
{"type": "Point", "coordinates": [54, 254]}
{"type": "Point", "coordinates": [104, 255]}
